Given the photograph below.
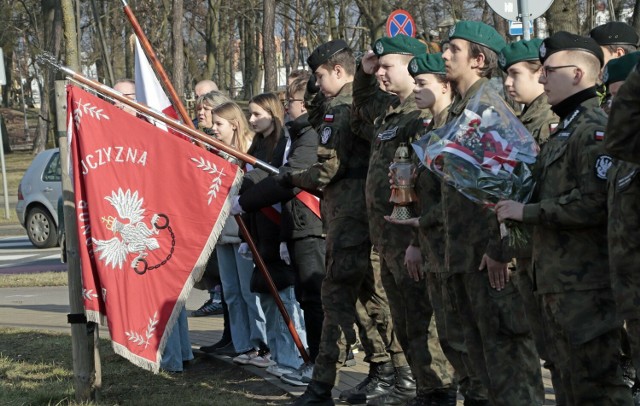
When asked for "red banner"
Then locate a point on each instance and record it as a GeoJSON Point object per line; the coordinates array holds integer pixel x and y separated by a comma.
{"type": "Point", "coordinates": [150, 207]}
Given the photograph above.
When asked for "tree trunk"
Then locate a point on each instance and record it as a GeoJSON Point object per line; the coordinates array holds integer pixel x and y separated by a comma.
{"type": "Point", "coordinates": [82, 336]}
{"type": "Point", "coordinates": [211, 37]}
{"type": "Point", "coordinates": [563, 16]}
{"type": "Point", "coordinates": [636, 16]}
{"type": "Point", "coordinates": [269, 46]}
{"type": "Point", "coordinates": [52, 25]}
{"type": "Point", "coordinates": [178, 48]}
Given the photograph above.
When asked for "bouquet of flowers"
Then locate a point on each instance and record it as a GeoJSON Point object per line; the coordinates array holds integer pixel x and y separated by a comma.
{"type": "Point", "coordinates": [486, 153]}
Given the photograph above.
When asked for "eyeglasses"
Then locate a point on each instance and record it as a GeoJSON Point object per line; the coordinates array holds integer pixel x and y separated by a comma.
{"type": "Point", "coordinates": [289, 101]}
{"type": "Point", "coordinates": [550, 69]}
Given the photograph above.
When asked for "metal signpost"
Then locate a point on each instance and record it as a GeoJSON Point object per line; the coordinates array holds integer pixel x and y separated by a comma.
{"type": "Point", "coordinates": [400, 22]}
{"type": "Point", "coordinates": [520, 10]}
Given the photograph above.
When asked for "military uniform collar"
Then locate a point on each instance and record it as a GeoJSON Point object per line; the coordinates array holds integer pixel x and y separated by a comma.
{"type": "Point", "coordinates": [345, 95]}
{"type": "Point", "coordinates": [441, 118]}
{"type": "Point", "coordinates": [566, 107]}
{"type": "Point", "coordinates": [460, 103]}
{"type": "Point", "coordinates": [531, 111]}
{"type": "Point", "coordinates": [408, 105]}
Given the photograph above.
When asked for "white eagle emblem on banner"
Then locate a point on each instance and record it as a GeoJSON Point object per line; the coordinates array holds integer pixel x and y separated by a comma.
{"type": "Point", "coordinates": [131, 234]}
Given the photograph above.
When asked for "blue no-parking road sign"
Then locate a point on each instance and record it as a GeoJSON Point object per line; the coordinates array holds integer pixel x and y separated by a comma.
{"type": "Point", "coordinates": [400, 22]}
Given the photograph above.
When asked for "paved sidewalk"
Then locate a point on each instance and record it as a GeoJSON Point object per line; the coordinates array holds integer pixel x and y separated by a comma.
{"type": "Point", "coordinates": [47, 308]}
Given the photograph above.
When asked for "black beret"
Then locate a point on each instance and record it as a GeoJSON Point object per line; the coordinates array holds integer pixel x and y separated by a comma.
{"type": "Point", "coordinates": [325, 51]}
{"type": "Point", "coordinates": [615, 33]}
{"type": "Point", "coordinates": [565, 41]}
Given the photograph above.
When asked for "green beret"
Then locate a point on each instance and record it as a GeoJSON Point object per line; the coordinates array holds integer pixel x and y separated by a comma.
{"type": "Point", "coordinates": [427, 63]}
{"type": "Point", "coordinates": [519, 51]}
{"type": "Point", "coordinates": [322, 53]}
{"type": "Point", "coordinates": [479, 33]}
{"type": "Point", "coordinates": [618, 69]}
{"type": "Point", "coordinates": [400, 44]}
{"type": "Point", "coordinates": [614, 33]}
{"type": "Point", "coordinates": [566, 41]}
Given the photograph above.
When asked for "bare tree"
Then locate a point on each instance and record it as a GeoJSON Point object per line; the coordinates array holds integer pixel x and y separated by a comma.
{"type": "Point", "coordinates": [563, 16]}
{"type": "Point", "coordinates": [269, 45]}
{"type": "Point", "coordinates": [52, 25]}
{"type": "Point", "coordinates": [178, 47]}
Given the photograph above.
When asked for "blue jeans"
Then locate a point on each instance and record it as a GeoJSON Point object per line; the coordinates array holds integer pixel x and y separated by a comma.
{"type": "Point", "coordinates": [246, 317]}
{"type": "Point", "coordinates": [178, 346]}
{"type": "Point", "coordinates": [283, 348]}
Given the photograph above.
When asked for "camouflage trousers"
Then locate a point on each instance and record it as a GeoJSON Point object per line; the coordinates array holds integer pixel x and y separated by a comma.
{"type": "Point", "coordinates": [347, 269]}
{"type": "Point", "coordinates": [373, 318]}
{"type": "Point", "coordinates": [449, 327]}
{"type": "Point", "coordinates": [412, 316]}
{"type": "Point", "coordinates": [498, 338]}
{"type": "Point", "coordinates": [523, 279]}
{"type": "Point", "coordinates": [586, 337]}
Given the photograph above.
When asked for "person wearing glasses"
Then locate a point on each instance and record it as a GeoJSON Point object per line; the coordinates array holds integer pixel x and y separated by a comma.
{"type": "Point", "coordinates": [568, 212]}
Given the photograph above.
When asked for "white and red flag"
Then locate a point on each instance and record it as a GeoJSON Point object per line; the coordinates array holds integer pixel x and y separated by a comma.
{"type": "Point", "coordinates": [149, 210]}
{"type": "Point", "coordinates": [148, 88]}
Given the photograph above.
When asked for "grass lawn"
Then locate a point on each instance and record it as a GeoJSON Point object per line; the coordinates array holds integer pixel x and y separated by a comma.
{"type": "Point", "coordinates": [33, 280]}
{"type": "Point", "coordinates": [36, 369]}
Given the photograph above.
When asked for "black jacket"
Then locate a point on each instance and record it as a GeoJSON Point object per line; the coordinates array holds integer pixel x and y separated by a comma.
{"type": "Point", "coordinates": [297, 220]}
{"type": "Point", "coordinates": [264, 231]}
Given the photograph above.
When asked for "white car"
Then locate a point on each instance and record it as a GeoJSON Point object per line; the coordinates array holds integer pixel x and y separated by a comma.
{"type": "Point", "coordinates": [38, 195]}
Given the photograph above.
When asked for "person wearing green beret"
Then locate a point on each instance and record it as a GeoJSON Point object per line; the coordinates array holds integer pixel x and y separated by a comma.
{"type": "Point", "coordinates": [500, 346]}
{"type": "Point", "coordinates": [568, 213]}
{"type": "Point", "coordinates": [434, 93]}
{"type": "Point", "coordinates": [401, 121]}
{"type": "Point", "coordinates": [521, 62]}
{"type": "Point", "coordinates": [617, 70]}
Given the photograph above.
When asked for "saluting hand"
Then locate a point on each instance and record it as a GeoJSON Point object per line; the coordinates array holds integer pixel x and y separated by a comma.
{"type": "Point", "coordinates": [369, 62]}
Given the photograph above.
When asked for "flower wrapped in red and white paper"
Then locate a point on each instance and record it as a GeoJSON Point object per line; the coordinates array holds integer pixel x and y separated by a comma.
{"type": "Point", "coordinates": [486, 153]}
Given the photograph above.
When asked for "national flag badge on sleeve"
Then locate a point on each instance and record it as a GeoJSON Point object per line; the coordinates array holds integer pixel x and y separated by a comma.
{"type": "Point", "coordinates": [599, 135]}
{"type": "Point", "coordinates": [552, 127]}
{"type": "Point", "coordinates": [426, 122]}
{"type": "Point", "coordinates": [328, 118]}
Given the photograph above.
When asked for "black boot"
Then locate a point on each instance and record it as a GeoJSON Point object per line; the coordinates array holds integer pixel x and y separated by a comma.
{"type": "Point", "coordinates": [444, 397]}
{"type": "Point", "coordinates": [317, 394]}
{"type": "Point", "coordinates": [635, 393]}
{"type": "Point", "coordinates": [403, 391]}
{"type": "Point", "coordinates": [225, 341]}
{"type": "Point", "coordinates": [421, 399]}
{"type": "Point", "coordinates": [378, 383]}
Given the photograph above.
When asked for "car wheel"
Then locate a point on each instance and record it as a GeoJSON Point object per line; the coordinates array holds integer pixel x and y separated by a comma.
{"type": "Point", "coordinates": [41, 229]}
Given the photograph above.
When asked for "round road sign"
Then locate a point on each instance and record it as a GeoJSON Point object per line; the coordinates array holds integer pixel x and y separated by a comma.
{"type": "Point", "coordinates": [400, 22]}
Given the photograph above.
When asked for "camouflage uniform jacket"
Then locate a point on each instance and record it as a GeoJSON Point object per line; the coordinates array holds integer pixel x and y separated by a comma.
{"type": "Point", "coordinates": [339, 174]}
{"type": "Point", "coordinates": [624, 237]}
{"type": "Point", "coordinates": [470, 230]}
{"type": "Point", "coordinates": [569, 204]}
{"type": "Point", "coordinates": [622, 139]}
{"type": "Point", "coordinates": [430, 233]}
{"type": "Point", "coordinates": [540, 120]}
{"type": "Point", "coordinates": [369, 103]}
{"type": "Point", "coordinates": [400, 123]}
